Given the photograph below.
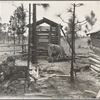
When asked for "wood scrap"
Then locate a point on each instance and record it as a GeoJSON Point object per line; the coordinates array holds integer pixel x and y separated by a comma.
{"type": "Point", "coordinates": [37, 94]}
{"type": "Point", "coordinates": [95, 68]}
{"type": "Point", "coordinates": [61, 76]}
{"type": "Point", "coordinates": [33, 77]}
{"type": "Point", "coordinates": [98, 95]}
{"type": "Point", "coordinates": [92, 92]}
{"type": "Point", "coordinates": [53, 75]}
{"type": "Point", "coordinates": [7, 83]}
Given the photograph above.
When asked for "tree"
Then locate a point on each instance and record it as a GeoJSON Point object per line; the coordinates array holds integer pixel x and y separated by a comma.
{"type": "Point", "coordinates": [3, 30]}
{"type": "Point", "coordinates": [34, 36]}
{"type": "Point", "coordinates": [72, 29]}
{"type": "Point", "coordinates": [20, 16]}
{"type": "Point", "coordinates": [17, 22]}
{"type": "Point", "coordinates": [13, 27]}
{"type": "Point", "coordinates": [91, 20]}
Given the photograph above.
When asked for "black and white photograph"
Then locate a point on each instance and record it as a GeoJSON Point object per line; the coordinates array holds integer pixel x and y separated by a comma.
{"type": "Point", "coordinates": [49, 49]}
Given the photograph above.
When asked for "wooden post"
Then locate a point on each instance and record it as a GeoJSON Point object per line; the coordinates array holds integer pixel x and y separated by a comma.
{"type": "Point", "coordinates": [22, 31]}
{"type": "Point", "coordinates": [14, 42]}
{"type": "Point", "coordinates": [73, 37]}
{"type": "Point", "coordinates": [50, 35]}
{"type": "Point", "coordinates": [28, 63]}
{"type": "Point", "coordinates": [58, 31]}
{"type": "Point", "coordinates": [34, 37]}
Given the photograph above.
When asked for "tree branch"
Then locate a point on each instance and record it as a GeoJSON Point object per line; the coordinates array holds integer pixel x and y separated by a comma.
{"type": "Point", "coordinates": [80, 22]}
{"type": "Point", "coordinates": [84, 23]}
{"type": "Point", "coordinates": [62, 19]}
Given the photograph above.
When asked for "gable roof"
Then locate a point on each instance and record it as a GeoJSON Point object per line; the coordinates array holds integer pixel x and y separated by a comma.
{"type": "Point", "coordinates": [45, 20]}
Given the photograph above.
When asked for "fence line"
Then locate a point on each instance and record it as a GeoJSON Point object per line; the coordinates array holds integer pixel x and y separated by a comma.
{"type": "Point", "coordinates": [15, 45]}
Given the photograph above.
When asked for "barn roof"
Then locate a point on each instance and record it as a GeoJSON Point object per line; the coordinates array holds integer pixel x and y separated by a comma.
{"type": "Point", "coordinates": [94, 30]}
{"type": "Point", "coordinates": [45, 20]}
{"type": "Point", "coordinates": [48, 21]}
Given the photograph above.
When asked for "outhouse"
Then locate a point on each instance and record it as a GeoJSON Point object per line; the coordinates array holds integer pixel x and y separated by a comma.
{"type": "Point", "coordinates": [47, 34]}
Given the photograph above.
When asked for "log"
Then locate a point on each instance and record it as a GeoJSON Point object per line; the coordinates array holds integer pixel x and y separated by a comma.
{"type": "Point", "coordinates": [62, 76]}
{"type": "Point", "coordinates": [53, 75]}
{"type": "Point", "coordinates": [97, 65]}
{"type": "Point", "coordinates": [95, 56]}
{"type": "Point", "coordinates": [95, 68]}
{"type": "Point", "coordinates": [94, 60]}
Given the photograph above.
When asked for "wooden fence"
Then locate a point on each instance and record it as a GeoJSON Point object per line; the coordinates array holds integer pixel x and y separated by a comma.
{"type": "Point", "coordinates": [94, 60]}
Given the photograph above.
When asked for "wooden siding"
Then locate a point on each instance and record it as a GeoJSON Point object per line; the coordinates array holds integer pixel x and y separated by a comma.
{"type": "Point", "coordinates": [95, 38]}
{"type": "Point", "coordinates": [94, 59]}
{"type": "Point", "coordinates": [45, 37]}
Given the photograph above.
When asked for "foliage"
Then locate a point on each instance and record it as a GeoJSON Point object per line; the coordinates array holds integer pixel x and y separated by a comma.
{"type": "Point", "coordinates": [45, 6]}
{"type": "Point", "coordinates": [90, 19]}
{"type": "Point", "coordinates": [18, 19]}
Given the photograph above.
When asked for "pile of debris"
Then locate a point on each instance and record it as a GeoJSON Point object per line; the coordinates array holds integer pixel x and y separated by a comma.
{"type": "Point", "coordinates": [12, 76]}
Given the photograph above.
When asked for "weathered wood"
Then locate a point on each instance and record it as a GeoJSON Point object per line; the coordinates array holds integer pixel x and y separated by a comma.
{"type": "Point", "coordinates": [97, 65]}
{"type": "Point", "coordinates": [53, 75]}
{"type": "Point", "coordinates": [95, 68]}
{"type": "Point", "coordinates": [94, 60]}
{"type": "Point", "coordinates": [92, 92]}
{"type": "Point", "coordinates": [94, 56]}
{"type": "Point", "coordinates": [98, 95]}
{"type": "Point", "coordinates": [58, 30]}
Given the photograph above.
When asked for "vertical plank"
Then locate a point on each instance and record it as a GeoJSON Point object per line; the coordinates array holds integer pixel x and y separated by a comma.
{"type": "Point", "coordinates": [59, 35]}
{"type": "Point", "coordinates": [50, 35]}
{"type": "Point", "coordinates": [34, 37]}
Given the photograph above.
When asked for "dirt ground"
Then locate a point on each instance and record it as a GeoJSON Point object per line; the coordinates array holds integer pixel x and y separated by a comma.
{"type": "Point", "coordinates": [57, 87]}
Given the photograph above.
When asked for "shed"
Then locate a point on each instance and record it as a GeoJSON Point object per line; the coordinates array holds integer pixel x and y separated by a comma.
{"type": "Point", "coordinates": [94, 57]}
{"type": "Point", "coordinates": [47, 34]}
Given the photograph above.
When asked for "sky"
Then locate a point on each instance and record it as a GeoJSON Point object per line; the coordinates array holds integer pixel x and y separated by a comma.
{"type": "Point", "coordinates": [56, 7]}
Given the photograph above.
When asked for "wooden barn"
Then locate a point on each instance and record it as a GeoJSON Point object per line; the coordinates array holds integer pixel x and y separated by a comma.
{"type": "Point", "coordinates": [94, 57]}
{"type": "Point", "coordinates": [47, 34]}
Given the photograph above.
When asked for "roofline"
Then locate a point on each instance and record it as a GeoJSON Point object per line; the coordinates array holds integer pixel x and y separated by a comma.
{"type": "Point", "coordinates": [93, 32]}
{"type": "Point", "coordinates": [40, 22]}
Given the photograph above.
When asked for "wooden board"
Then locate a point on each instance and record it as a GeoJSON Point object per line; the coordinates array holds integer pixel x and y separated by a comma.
{"type": "Point", "coordinates": [95, 68]}
{"type": "Point", "coordinates": [93, 55]}
{"type": "Point", "coordinates": [97, 65]}
{"type": "Point", "coordinates": [94, 60]}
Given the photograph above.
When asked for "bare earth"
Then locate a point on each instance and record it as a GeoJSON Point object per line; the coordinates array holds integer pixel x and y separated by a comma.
{"type": "Point", "coordinates": [56, 87]}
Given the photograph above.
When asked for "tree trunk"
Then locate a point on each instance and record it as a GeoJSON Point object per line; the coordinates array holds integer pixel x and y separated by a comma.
{"type": "Point", "coordinates": [34, 37]}
{"type": "Point", "coordinates": [22, 43]}
{"type": "Point", "coordinates": [14, 42]}
{"type": "Point", "coordinates": [28, 63]}
{"type": "Point", "coordinates": [18, 39]}
{"type": "Point", "coordinates": [22, 31]}
{"type": "Point", "coordinates": [73, 40]}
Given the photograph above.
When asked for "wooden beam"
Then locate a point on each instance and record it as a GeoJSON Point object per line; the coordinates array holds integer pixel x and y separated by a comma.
{"type": "Point", "coordinates": [50, 36]}
{"type": "Point", "coordinates": [59, 35]}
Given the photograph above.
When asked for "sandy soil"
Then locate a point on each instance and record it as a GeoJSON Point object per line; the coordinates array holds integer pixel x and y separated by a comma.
{"type": "Point", "coordinates": [56, 87]}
